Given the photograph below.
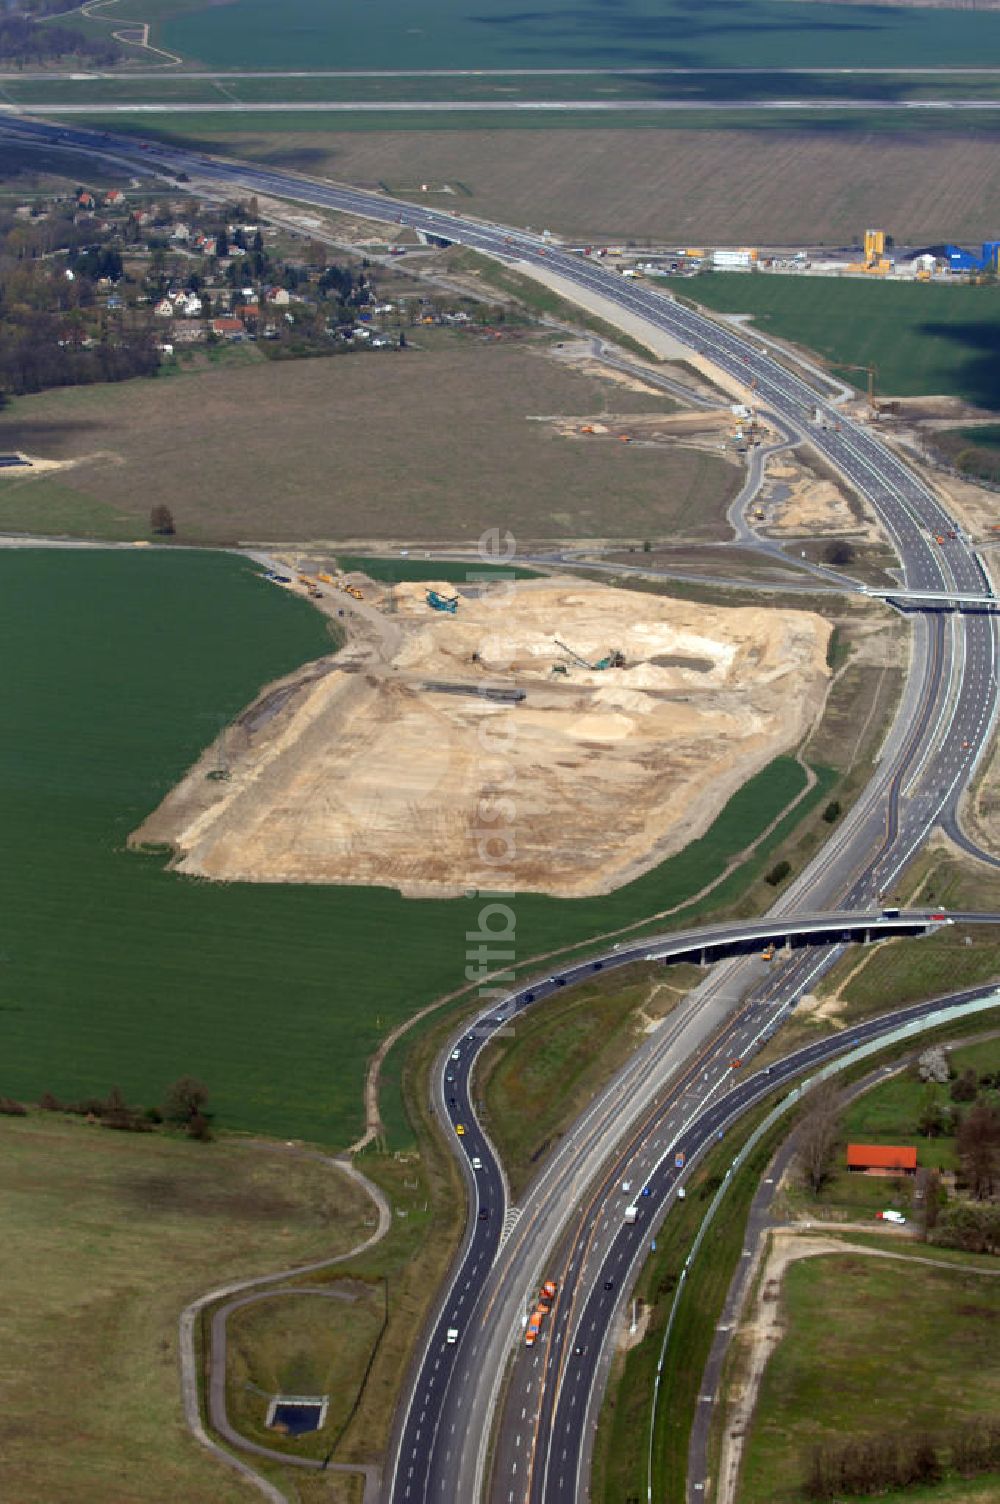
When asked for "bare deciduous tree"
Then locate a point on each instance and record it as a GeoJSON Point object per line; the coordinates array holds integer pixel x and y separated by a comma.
{"type": "Point", "coordinates": [817, 1133]}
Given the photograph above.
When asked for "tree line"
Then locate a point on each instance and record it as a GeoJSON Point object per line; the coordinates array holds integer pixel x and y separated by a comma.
{"type": "Point", "coordinates": [874, 1464]}
{"type": "Point", "coordinates": [23, 41]}
{"type": "Point", "coordinates": [185, 1105]}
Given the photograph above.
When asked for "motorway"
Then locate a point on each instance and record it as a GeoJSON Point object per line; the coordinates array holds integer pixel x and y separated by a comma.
{"type": "Point", "coordinates": [458, 1438]}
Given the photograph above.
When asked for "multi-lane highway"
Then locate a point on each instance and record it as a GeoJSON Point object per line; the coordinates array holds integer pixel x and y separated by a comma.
{"type": "Point", "coordinates": [671, 1093]}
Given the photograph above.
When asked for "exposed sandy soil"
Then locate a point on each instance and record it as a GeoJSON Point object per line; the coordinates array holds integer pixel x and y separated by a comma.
{"type": "Point", "coordinates": [799, 504]}
{"type": "Point", "coordinates": [357, 772]}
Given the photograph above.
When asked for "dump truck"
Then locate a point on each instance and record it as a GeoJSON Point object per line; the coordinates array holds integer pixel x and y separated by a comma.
{"type": "Point", "coordinates": [534, 1327]}
{"type": "Point", "coordinates": [442, 602]}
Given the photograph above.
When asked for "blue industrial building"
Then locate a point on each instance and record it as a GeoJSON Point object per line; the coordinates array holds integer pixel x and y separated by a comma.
{"type": "Point", "coordinates": [961, 260]}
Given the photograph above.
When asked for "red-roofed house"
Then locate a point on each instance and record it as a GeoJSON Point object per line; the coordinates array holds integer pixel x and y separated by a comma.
{"type": "Point", "coordinates": [881, 1159]}
{"type": "Point", "coordinates": [229, 328]}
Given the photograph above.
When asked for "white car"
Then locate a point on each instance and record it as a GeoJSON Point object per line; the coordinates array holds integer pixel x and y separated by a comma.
{"type": "Point", "coordinates": [626, 1187]}
{"type": "Point", "coordinates": [456, 1054]}
{"type": "Point", "coordinates": [477, 1163]}
{"type": "Point", "coordinates": [452, 1336]}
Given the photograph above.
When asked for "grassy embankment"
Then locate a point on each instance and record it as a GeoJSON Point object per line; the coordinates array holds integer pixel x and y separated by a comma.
{"type": "Point", "coordinates": [922, 340]}
{"type": "Point", "coordinates": [541, 300]}
{"type": "Point", "coordinates": [106, 1237]}
{"type": "Point", "coordinates": [401, 1277]}
{"type": "Point", "coordinates": [974, 451]}
{"type": "Point", "coordinates": [620, 1457]}
{"type": "Point", "coordinates": [536, 1082]}
{"type": "Point", "coordinates": [871, 1346]}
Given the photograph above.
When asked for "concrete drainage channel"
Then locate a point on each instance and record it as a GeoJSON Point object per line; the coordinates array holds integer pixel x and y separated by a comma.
{"type": "Point", "coordinates": [216, 1359]}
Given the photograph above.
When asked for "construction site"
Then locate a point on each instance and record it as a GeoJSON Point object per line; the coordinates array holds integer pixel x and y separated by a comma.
{"type": "Point", "coordinates": [553, 735]}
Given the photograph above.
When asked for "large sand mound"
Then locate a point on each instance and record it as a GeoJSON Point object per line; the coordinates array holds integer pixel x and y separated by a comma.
{"type": "Point", "coordinates": [408, 775]}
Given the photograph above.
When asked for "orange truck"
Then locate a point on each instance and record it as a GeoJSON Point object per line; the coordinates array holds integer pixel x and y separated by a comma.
{"type": "Point", "coordinates": [546, 1296]}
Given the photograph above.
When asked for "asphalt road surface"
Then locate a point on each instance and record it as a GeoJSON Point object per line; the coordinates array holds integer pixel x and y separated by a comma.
{"type": "Point", "coordinates": [680, 1086]}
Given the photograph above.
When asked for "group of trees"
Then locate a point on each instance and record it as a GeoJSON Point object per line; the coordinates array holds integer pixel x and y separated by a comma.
{"type": "Point", "coordinates": [42, 350]}
{"type": "Point", "coordinates": [873, 1465]}
{"type": "Point", "coordinates": [53, 331]}
{"type": "Point", "coordinates": [185, 1104]}
{"type": "Point", "coordinates": [22, 40]}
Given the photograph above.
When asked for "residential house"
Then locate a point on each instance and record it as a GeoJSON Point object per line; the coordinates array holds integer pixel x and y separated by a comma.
{"type": "Point", "coordinates": [164, 309]}
{"type": "Point", "coordinates": [228, 328]}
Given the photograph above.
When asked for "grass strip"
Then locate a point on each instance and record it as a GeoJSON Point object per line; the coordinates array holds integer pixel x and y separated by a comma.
{"type": "Point", "coordinates": [540, 299]}
{"type": "Point", "coordinates": [621, 1449]}
{"type": "Point", "coordinates": [535, 1081]}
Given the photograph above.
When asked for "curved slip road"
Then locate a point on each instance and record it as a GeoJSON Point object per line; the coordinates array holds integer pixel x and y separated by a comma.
{"type": "Point", "coordinates": [945, 718]}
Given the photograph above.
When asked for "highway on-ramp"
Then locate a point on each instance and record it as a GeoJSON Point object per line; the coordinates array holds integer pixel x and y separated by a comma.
{"type": "Point", "coordinates": [672, 1087]}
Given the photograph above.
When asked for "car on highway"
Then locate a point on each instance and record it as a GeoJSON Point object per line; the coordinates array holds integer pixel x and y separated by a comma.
{"type": "Point", "coordinates": [477, 1163]}
{"type": "Point", "coordinates": [626, 1186]}
{"type": "Point", "coordinates": [452, 1336]}
{"type": "Point", "coordinates": [484, 1214]}
{"type": "Point", "coordinates": [456, 1054]}
{"type": "Point", "coordinates": [460, 1129]}
{"type": "Point", "coordinates": [609, 1284]}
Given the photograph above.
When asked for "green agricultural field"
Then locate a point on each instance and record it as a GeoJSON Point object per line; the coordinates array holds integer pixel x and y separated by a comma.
{"type": "Point", "coordinates": [712, 90]}
{"type": "Point", "coordinates": [870, 1346]}
{"type": "Point", "coordinates": [639, 33]}
{"type": "Point", "coordinates": [118, 668]}
{"type": "Point", "coordinates": [923, 340]}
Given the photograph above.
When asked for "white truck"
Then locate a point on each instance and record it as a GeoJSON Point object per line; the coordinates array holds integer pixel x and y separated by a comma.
{"type": "Point", "coordinates": [631, 1213]}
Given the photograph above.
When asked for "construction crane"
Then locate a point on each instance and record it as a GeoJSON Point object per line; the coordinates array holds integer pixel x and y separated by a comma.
{"type": "Point", "coordinates": [442, 602]}
{"type": "Point", "coordinates": [872, 373]}
{"type": "Point", "coordinates": [573, 654]}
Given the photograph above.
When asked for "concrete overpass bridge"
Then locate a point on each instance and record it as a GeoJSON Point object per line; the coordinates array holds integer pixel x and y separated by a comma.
{"type": "Point", "coordinates": [718, 942]}
{"type": "Point", "coordinates": [935, 600]}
